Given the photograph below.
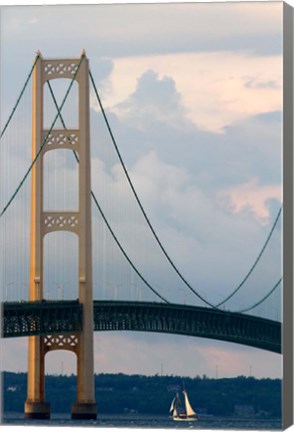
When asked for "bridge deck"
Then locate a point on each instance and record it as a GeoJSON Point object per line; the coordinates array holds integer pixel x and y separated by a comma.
{"type": "Point", "coordinates": [58, 317]}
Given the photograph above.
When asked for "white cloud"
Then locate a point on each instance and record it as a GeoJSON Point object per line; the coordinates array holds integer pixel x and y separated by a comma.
{"type": "Point", "coordinates": [252, 196]}
{"type": "Point", "coordinates": [149, 102]}
{"type": "Point", "coordinates": [213, 86]}
{"type": "Point", "coordinates": [195, 230]}
{"type": "Point", "coordinates": [172, 26]}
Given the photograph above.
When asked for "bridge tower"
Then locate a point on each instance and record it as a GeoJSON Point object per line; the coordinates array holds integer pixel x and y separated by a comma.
{"type": "Point", "coordinates": [45, 222]}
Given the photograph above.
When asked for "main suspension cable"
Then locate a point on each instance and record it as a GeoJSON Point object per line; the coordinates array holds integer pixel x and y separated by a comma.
{"type": "Point", "coordinates": [119, 244]}
{"type": "Point", "coordinates": [123, 251]}
{"type": "Point", "coordinates": [102, 214]}
{"type": "Point", "coordinates": [255, 262]}
{"type": "Point", "coordinates": [152, 229]}
{"type": "Point", "coordinates": [20, 96]}
{"type": "Point", "coordinates": [136, 270]}
{"type": "Point", "coordinates": [139, 202]}
{"type": "Point", "coordinates": [45, 140]}
{"type": "Point", "coordinates": [263, 299]}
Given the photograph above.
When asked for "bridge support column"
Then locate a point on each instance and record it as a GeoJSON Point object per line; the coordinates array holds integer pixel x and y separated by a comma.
{"type": "Point", "coordinates": [85, 406]}
{"type": "Point", "coordinates": [84, 411]}
{"type": "Point", "coordinates": [35, 405]}
{"type": "Point", "coordinates": [78, 221]}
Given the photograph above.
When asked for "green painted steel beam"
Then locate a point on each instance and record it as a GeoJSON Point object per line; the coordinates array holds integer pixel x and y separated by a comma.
{"type": "Point", "coordinates": [41, 318]}
{"type": "Point", "coordinates": [188, 320]}
{"type": "Point", "coordinates": [58, 317]}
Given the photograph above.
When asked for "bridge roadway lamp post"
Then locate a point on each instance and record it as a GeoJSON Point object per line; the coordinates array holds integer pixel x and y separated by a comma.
{"type": "Point", "coordinates": [79, 222]}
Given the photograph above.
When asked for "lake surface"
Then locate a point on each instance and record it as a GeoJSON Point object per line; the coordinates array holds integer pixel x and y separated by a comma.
{"type": "Point", "coordinates": [145, 421]}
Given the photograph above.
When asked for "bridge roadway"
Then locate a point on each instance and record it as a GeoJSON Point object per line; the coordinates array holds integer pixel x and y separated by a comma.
{"type": "Point", "coordinates": [60, 317]}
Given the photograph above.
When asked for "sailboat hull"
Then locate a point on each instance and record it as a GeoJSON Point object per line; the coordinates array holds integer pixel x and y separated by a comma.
{"type": "Point", "coordinates": [184, 418]}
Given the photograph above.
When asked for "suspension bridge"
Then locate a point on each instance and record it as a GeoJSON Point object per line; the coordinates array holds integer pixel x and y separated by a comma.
{"type": "Point", "coordinates": [57, 291]}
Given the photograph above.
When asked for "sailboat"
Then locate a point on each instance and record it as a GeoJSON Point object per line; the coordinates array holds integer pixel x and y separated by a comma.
{"type": "Point", "coordinates": [180, 414]}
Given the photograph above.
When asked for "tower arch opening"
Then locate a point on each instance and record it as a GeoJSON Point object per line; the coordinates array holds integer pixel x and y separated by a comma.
{"type": "Point", "coordinates": [59, 364]}
{"type": "Point", "coordinates": [60, 266]}
{"type": "Point", "coordinates": [54, 93]}
{"type": "Point", "coordinates": [61, 181]}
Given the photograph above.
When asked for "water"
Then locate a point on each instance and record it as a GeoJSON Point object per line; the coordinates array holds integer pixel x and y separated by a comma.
{"type": "Point", "coordinates": [145, 421]}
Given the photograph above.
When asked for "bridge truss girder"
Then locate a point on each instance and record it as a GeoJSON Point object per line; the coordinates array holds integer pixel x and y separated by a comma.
{"type": "Point", "coordinates": [188, 320]}
{"type": "Point", "coordinates": [61, 317]}
{"type": "Point", "coordinates": [41, 318]}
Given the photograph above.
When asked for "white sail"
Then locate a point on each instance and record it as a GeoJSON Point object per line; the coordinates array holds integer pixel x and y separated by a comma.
{"type": "Point", "coordinates": [172, 407]}
{"type": "Point", "coordinates": [189, 409]}
{"type": "Point", "coordinates": [175, 413]}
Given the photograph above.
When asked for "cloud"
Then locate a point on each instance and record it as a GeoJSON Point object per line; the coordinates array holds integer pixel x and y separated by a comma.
{"type": "Point", "coordinates": [194, 227]}
{"type": "Point", "coordinates": [213, 87]}
{"type": "Point", "coordinates": [253, 197]}
{"type": "Point", "coordinates": [103, 67]}
{"type": "Point", "coordinates": [250, 147]}
{"type": "Point", "coordinates": [189, 184]}
{"type": "Point", "coordinates": [180, 30]}
{"type": "Point", "coordinates": [150, 28]}
{"type": "Point", "coordinates": [149, 102]}
{"type": "Point", "coordinates": [254, 83]}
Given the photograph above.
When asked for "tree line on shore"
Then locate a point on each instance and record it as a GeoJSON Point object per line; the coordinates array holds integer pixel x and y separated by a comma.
{"type": "Point", "coordinates": [121, 393]}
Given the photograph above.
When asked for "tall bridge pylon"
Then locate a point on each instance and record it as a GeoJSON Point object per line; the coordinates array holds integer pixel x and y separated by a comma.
{"type": "Point", "coordinates": [44, 222]}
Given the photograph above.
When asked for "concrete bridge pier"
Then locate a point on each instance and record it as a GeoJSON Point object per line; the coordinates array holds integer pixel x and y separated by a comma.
{"type": "Point", "coordinates": [35, 405]}
{"type": "Point", "coordinates": [84, 411]}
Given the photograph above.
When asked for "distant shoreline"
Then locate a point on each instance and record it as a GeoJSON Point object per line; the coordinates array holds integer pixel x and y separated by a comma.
{"type": "Point", "coordinates": [241, 398]}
